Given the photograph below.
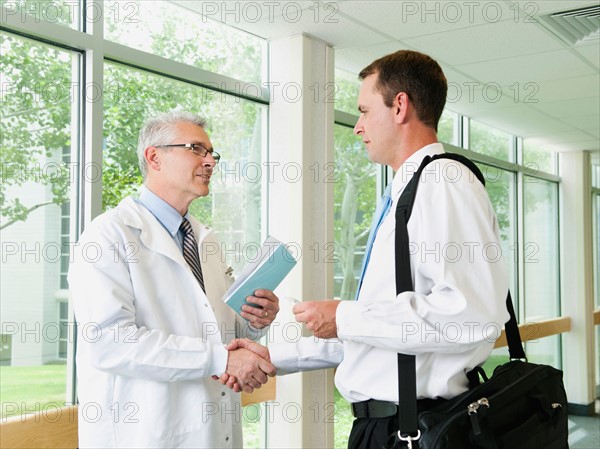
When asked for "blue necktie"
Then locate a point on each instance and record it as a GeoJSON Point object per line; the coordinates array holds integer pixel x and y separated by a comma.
{"type": "Point", "coordinates": [380, 213]}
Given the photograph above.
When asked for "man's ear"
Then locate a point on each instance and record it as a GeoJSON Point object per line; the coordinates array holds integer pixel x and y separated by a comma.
{"type": "Point", "coordinates": [152, 157]}
{"type": "Point", "coordinates": [401, 107]}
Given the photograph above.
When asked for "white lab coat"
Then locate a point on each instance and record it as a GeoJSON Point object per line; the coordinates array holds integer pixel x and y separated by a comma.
{"type": "Point", "coordinates": [149, 339]}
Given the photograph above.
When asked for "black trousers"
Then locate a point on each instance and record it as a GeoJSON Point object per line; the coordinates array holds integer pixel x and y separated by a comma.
{"type": "Point", "coordinates": [373, 433]}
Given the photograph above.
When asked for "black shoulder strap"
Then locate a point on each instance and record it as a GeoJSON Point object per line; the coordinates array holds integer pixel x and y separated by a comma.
{"type": "Point", "coordinates": [407, 404]}
{"type": "Point", "coordinates": [404, 210]}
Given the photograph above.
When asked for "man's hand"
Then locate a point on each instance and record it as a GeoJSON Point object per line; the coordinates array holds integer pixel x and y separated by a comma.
{"type": "Point", "coordinates": [262, 316]}
{"type": "Point", "coordinates": [247, 369]}
{"type": "Point", "coordinates": [318, 316]}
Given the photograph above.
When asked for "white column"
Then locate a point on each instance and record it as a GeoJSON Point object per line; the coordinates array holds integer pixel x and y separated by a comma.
{"type": "Point", "coordinates": [577, 279]}
{"type": "Point", "coordinates": [301, 212]}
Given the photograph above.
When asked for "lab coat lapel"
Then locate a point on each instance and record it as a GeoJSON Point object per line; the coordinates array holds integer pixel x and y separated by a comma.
{"type": "Point", "coordinates": [152, 234]}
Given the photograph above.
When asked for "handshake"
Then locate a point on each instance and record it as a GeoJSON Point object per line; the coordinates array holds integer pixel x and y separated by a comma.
{"type": "Point", "coordinates": [248, 366]}
{"type": "Point", "coordinates": [249, 363]}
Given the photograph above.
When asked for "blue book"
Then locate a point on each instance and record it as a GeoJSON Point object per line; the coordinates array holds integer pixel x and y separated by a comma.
{"type": "Point", "coordinates": [274, 262]}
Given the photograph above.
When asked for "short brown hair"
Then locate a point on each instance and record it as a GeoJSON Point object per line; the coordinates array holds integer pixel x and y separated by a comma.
{"type": "Point", "coordinates": [416, 74]}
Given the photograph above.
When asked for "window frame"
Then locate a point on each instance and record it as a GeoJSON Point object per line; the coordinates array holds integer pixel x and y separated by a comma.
{"type": "Point", "coordinates": [94, 51]}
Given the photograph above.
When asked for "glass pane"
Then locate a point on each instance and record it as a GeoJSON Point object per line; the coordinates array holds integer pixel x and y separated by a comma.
{"type": "Point", "coordinates": [59, 12]}
{"type": "Point", "coordinates": [541, 263]}
{"type": "Point", "coordinates": [447, 127]}
{"type": "Point", "coordinates": [490, 141]}
{"type": "Point", "coordinates": [537, 158]}
{"type": "Point", "coordinates": [596, 249]}
{"type": "Point", "coordinates": [596, 175]}
{"type": "Point", "coordinates": [355, 198]}
{"type": "Point", "coordinates": [237, 131]}
{"type": "Point", "coordinates": [501, 188]}
{"type": "Point", "coordinates": [36, 173]}
{"type": "Point", "coordinates": [175, 32]}
{"type": "Point", "coordinates": [347, 86]}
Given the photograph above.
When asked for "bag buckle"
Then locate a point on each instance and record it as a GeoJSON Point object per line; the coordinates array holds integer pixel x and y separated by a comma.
{"type": "Point", "coordinates": [409, 438]}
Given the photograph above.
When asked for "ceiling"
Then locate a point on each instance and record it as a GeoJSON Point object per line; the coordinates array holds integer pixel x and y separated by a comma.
{"type": "Point", "coordinates": [504, 67]}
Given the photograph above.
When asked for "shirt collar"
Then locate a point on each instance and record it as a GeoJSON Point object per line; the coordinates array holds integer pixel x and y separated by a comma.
{"type": "Point", "coordinates": [166, 214]}
{"type": "Point", "coordinates": [411, 165]}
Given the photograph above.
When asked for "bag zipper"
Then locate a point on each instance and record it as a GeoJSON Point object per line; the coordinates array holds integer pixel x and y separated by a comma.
{"type": "Point", "coordinates": [464, 409]}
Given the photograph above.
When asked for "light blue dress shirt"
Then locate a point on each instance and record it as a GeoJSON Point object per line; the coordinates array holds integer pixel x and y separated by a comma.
{"type": "Point", "coordinates": [166, 214]}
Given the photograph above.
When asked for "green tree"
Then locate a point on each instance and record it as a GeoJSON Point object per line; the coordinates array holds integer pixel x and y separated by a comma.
{"type": "Point", "coordinates": [355, 193]}
{"type": "Point", "coordinates": [35, 125]}
{"type": "Point", "coordinates": [36, 111]}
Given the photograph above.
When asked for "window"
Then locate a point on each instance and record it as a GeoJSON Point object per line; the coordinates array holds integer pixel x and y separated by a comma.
{"type": "Point", "coordinates": [180, 34]}
{"type": "Point", "coordinates": [541, 266]}
{"type": "Point", "coordinates": [538, 159]}
{"type": "Point", "coordinates": [447, 128]}
{"type": "Point", "coordinates": [501, 188]}
{"type": "Point", "coordinates": [491, 142]}
{"type": "Point", "coordinates": [40, 150]}
{"type": "Point", "coordinates": [236, 128]}
{"type": "Point", "coordinates": [596, 255]}
{"type": "Point", "coordinates": [63, 321]}
{"type": "Point", "coordinates": [355, 199]}
{"type": "Point", "coordinates": [38, 174]}
{"type": "Point", "coordinates": [60, 12]}
{"type": "Point", "coordinates": [345, 91]}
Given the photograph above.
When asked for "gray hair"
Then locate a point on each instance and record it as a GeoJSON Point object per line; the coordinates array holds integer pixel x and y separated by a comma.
{"type": "Point", "coordinates": [160, 130]}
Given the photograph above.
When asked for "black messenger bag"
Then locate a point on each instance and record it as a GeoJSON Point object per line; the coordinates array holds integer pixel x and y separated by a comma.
{"type": "Point", "coordinates": [522, 406]}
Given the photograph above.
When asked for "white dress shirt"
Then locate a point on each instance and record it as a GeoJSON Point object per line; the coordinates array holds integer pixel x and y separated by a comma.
{"type": "Point", "coordinates": [453, 317]}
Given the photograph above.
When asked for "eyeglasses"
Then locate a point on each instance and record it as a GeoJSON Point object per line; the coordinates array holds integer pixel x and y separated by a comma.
{"type": "Point", "coordinates": [196, 148]}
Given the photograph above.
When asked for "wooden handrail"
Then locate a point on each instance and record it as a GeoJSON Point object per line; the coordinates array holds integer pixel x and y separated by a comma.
{"type": "Point", "coordinates": [265, 393]}
{"type": "Point", "coordinates": [57, 427]}
{"type": "Point", "coordinates": [51, 428]}
{"type": "Point", "coordinates": [539, 329]}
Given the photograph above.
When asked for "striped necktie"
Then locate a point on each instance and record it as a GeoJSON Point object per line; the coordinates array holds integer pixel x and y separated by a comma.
{"type": "Point", "coordinates": [380, 213]}
{"type": "Point", "coordinates": [190, 251]}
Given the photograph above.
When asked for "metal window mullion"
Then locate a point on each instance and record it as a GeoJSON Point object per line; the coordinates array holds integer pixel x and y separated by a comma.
{"type": "Point", "coordinates": [159, 65]}
{"type": "Point", "coordinates": [33, 27]}
{"type": "Point", "coordinates": [344, 118]}
{"type": "Point", "coordinates": [519, 198]}
{"type": "Point", "coordinates": [458, 129]}
{"type": "Point", "coordinates": [465, 138]}
{"type": "Point", "coordinates": [89, 191]}
{"type": "Point", "coordinates": [559, 270]}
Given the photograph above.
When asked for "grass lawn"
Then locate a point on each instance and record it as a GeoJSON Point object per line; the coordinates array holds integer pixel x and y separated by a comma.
{"type": "Point", "coordinates": [28, 389]}
{"type": "Point", "coordinates": [343, 422]}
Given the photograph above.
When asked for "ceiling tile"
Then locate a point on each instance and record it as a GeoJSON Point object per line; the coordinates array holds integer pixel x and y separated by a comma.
{"type": "Point", "coordinates": [528, 68]}
{"type": "Point", "coordinates": [594, 131]}
{"type": "Point", "coordinates": [571, 108]}
{"type": "Point", "coordinates": [279, 19]}
{"type": "Point", "coordinates": [404, 19]}
{"type": "Point", "coordinates": [590, 52]}
{"type": "Point", "coordinates": [355, 59]}
{"type": "Point", "coordinates": [482, 43]}
{"type": "Point", "coordinates": [564, 89]}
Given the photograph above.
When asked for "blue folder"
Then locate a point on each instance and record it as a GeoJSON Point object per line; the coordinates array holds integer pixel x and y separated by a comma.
{"type": "Point", "coordinates": [274, 263]}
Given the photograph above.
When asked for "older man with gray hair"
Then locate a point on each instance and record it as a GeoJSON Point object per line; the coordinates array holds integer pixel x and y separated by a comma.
{"type": "Point", "coordinates": [151, 321]}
